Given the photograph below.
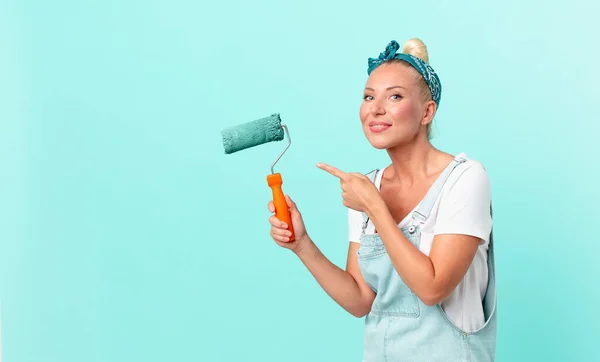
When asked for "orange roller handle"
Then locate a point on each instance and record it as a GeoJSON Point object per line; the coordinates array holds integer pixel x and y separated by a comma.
{"type": "Point", "coordinates": [281, 208]}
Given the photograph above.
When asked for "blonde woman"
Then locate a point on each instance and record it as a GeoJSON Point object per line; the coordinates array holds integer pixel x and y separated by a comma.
{"type": "Point", "coordinates": [420, 258]}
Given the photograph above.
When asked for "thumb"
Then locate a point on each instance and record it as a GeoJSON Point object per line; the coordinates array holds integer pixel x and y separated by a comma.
{"type": "Point", "coordinates": [290, 203]}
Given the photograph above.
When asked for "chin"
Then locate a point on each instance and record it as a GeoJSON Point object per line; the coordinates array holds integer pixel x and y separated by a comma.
{"type": "Point", "coordinates": [380, 143]}
{"type": "Point", "coordinates": [387, 139]}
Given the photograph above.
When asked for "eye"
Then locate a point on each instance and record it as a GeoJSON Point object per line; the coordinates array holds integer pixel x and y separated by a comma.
{"type": "Point", "coordinates": [368, 97]}
{"type": "Point", "coordinates": [396, 96]}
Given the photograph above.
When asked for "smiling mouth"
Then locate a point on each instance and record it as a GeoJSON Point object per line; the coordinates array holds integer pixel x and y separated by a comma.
{"type": "Point", "coordinates": [377, 127]}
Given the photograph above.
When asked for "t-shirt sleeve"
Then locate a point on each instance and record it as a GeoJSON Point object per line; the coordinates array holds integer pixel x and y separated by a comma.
{"type": "Point", "coordinates": [465, 207]}
{"type": "Point", "coordinates": [355, 220]}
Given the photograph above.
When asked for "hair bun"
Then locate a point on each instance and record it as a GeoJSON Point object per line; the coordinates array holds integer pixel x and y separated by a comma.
{"type": "Point", "coordinates": [417, 48]}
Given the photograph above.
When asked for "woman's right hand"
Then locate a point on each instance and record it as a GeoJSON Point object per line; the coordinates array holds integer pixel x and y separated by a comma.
{"type": "Point", "coordinates": [279, 231]}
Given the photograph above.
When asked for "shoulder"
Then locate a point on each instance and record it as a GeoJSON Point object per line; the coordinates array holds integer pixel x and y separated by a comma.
{"type": "Point", "coordinates": [468, 186]}
{"type": "Point", "coordinates": [469, 174]}
{"type": "Point", "coordinates": [465, 204]}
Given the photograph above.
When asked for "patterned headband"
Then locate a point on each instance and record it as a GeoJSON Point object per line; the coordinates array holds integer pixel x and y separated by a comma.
{"type": "Point", "coordinates": [432, 79]}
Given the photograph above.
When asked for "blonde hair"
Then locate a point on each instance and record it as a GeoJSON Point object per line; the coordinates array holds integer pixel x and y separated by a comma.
{"type": "Point", "coordinates": [416, 47]}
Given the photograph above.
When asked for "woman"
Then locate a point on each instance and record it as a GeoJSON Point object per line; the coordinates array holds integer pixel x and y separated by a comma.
{"type": "Point", "coordinates": [420, 261]}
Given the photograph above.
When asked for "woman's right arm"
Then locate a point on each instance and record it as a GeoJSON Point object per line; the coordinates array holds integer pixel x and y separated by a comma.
{"type": "Point", "coordinates": [346, 287]}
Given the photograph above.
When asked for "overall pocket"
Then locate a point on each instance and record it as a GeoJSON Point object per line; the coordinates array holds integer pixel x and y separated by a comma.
{"type": "Point", "coordinates": [394, 297]}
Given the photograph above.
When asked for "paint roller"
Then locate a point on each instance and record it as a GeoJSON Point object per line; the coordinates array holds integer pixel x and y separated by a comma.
{"type": "Point", "coordinates": [256, 133]}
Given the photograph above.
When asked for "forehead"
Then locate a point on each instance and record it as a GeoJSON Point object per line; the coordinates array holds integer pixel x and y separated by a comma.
{"type": "Point", "coordinates": [392, 74]}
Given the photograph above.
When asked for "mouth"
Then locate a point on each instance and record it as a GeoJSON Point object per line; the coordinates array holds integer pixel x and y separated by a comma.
{"type": "Point", "coordinates": [379, 126]}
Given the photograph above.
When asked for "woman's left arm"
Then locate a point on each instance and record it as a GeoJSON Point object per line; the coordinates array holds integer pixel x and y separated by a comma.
{"type": "Point", "coordinates": [462, 221]}
{"type": "Point", "coordinates": [432, 278]}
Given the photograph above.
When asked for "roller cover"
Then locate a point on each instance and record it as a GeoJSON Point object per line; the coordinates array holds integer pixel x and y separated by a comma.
{"type": "Point", "coordinates": [252, 134]}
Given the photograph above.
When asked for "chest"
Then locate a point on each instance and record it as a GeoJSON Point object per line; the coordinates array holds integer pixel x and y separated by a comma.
{"type": "Point", "coordinates": [400, 201]}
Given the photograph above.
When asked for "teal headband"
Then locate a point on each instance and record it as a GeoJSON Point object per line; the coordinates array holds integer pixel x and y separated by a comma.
{"type": "Point", "coordinates": [433, 81]}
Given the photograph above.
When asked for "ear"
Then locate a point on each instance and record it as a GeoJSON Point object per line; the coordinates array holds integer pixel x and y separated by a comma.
{"type": "Point", "coordinates": [428, 112]}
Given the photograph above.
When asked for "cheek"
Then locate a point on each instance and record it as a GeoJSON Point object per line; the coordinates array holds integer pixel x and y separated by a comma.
{"type": "Point", "coordinates": [404, 112]}
{"type": "Point", "coordinates": [364, 111]}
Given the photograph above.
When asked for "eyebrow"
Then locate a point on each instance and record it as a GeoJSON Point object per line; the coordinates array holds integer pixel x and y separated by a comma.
{"type": "Point", "coordinates": [388, 88]}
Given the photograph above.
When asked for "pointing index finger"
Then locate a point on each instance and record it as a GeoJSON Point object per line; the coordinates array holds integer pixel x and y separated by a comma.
{"type": "Point", "coordinates": [332, 170]}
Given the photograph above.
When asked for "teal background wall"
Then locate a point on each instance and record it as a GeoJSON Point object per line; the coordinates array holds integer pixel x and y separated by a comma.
{"type": "Point", "coordinates": [126, 234]}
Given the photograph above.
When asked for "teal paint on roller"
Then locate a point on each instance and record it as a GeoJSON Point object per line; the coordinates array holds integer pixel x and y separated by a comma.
{"type": "Point", "coordinates": [252, 134]}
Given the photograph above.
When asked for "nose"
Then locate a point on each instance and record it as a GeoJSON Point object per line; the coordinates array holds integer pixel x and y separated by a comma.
{"type": "Point", "coordinates": [377, 108]}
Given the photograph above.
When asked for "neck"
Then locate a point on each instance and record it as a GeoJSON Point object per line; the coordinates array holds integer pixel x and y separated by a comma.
{"type": "Point", "coordinates": [412, 162]}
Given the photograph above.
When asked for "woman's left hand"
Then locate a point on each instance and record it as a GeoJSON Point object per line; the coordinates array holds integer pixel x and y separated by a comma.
{"type": "Point", "coordinates": [358, 192]}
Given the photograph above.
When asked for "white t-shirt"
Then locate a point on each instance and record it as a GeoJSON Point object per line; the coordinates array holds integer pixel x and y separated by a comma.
{"type": "Point", "coordinates": [462, 207]}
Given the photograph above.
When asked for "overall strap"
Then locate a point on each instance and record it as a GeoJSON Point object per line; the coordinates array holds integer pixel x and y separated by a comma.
{"type": "Point", "coordinates": [424, 209]}
{"type": "Point", "coordinates": [490, 299]}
